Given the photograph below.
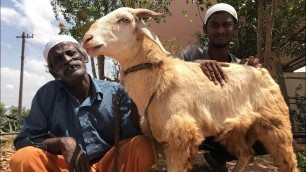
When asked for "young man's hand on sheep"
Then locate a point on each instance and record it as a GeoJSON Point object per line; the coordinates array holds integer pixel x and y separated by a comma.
{"type": "Point", "coordinates": [213, 69]}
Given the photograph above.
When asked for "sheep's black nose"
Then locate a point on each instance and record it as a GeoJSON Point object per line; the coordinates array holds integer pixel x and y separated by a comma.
{"type": "Point", "coordinates": [86, 39]}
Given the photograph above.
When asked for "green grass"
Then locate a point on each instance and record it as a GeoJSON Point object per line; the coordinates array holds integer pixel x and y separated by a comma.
{"type": "Point", "coordinates": [301, 158]}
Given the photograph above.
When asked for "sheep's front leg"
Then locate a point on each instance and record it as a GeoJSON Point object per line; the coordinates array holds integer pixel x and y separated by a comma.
{"type": "Point", "coordinates": [242, 163]}
{"type": "Point", "coordinates": [183, 138]}
{"type": "Point", "coordinates": [244, 152]}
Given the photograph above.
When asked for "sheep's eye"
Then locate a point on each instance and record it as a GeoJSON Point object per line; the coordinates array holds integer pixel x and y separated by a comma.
{"type": "Point", "coordinates": [125, 20]}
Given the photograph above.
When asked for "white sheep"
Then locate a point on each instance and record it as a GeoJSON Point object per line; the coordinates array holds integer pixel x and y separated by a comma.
{"type": "Point", "coordinates": [183, 106]}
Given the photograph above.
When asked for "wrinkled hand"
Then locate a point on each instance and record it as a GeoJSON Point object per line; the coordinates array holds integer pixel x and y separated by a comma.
{"type": "Point", "coordinates": [251, 61]}
{"type": "Point", "coordinates": [74, 156]}
{"type": "Point", "coordinates": [212, 69]}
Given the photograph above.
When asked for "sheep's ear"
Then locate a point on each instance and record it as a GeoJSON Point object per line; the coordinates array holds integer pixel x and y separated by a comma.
{"type": "Point", "coordinates": [145, 29]}
{"type": "Point", "coordinates": [141, 13]}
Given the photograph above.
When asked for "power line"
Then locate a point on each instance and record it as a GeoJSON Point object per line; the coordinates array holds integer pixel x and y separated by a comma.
{"type": "Point", "coordinates": [23, 36]}
{"type": "Point", "coordinates": [41, 41]}
{"type": "Point", "coordinates": [37, 47]}
{"type": "Point", "coordinates": [12, 31]}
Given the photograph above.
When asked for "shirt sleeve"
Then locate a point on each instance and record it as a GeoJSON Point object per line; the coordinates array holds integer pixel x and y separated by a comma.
{"type": "Point", "coordinates": [234, 59]}
{"type": "Point", "coordinates": [35, 125]}
{"type": "Point", "coordinates": [191, 53]}
{"type": "Point", "coordinates": [127, 127]}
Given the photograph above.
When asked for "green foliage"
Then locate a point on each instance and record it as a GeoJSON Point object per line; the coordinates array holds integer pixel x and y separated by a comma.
{"type": "Point", "coordinates": [290, 29]}
{"type": "Point", "coordinates": [301, 158]}
{"type": "Point", "coordinates": [288, 34]}
{"type": "Point", "coordinates": [200, 3]}
{"type": "Point", "coordinates": [2, 108]}
{"type": "Point", "coordinates": [171, 46]}
{"type": "Point", "coordinates": [201, 38]}
{"type": "Point", "coordinates": [184, 12]}
{"type": "Point", "coordinates": [80, 14]}
{"type": "Point", "coordinates": [10, 121]}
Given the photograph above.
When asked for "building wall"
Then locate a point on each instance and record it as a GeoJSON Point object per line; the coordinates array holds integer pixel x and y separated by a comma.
{"type": "Point", "coordinates": [296, 86]}
{"type": "Point", "coordinates": [179, 28]}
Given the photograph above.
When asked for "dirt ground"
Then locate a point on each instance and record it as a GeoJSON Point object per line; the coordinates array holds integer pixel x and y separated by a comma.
{"type": "Point", "coordinates": [7, 151]}
{"type": "Point", "coordinates": [260, 164]}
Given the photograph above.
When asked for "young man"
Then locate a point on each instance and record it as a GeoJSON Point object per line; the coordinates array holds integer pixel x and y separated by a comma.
{"type": "Point", "coordinates": [71, 122]}
{"type": "Point", "coordinates": [220, 24]}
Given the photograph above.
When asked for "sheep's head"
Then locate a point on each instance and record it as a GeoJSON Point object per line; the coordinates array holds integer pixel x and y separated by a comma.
{"type": "Point", "coordinates": [115, 35]}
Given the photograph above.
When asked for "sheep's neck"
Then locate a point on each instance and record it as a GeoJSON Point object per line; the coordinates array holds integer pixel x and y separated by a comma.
{"type": "Point", "coordinates": [147, 50]}
{"type": "Point", "coordinates": [148, 65]}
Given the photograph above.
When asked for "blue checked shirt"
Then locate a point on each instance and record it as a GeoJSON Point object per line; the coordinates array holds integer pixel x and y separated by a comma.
{"type": "Point", "coordinates": [55, 112]}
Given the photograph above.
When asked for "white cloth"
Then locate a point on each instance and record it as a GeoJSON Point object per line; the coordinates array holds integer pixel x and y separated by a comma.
{"type": "Point", "coordinates": [56, 40]}
{"type": "Point", "coordinates": [220, 7]}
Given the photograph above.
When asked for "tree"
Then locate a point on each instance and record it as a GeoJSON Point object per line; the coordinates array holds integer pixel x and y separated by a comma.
{"type": "Point", "coordinates": [10, 121]}
{"type": "Point", "coordinates": [279, 26]}
{"type": "Point", "coordinates": [80, 14]}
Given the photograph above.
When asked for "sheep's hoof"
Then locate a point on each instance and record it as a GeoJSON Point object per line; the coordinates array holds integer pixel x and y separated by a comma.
{"type": "Point", "coordinates": [155, 168]}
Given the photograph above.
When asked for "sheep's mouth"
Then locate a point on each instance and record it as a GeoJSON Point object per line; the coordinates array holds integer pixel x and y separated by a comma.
{"type": "Point", "coordinates": [97, 47]}
{"type": "Point", "coordinates": [94, 48]}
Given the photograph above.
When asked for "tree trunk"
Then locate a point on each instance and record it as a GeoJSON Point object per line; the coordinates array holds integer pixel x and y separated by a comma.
{"type": "Point", "coordinates": [101, 61]}
{"type": "Point", "coordinates": [268, 41]}
{"type": "Point", "coordinates": [259, 30]}
{"type": "Point", "coordinates": [93, 67]}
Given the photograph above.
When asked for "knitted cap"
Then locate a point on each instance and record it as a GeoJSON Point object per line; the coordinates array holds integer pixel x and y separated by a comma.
{"type": "Point", "coordinates": [220, 7]}
{"type": "Point", "coordinates": [56, 40]}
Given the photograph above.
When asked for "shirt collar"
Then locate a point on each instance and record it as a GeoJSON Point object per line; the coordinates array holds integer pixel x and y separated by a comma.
{"type": "Point", "coordinates": [233, 58]}
{"type": "Point", "coordinates": [96, 91]}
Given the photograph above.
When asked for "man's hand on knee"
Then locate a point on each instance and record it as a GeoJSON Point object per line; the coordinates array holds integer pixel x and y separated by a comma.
{"type": "Point", "coordinates": [75, 157]}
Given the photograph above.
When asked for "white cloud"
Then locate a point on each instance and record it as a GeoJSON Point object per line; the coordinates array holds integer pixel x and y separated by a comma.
{"type": "Point", "coordinates": [32, 81]}
{"type": "Point", "coordinates": [36, 16]}
{"type": "Point", "coordinates": [39, 19]}
{"type": "Point", "coordinates": [10, 16]}
{"type": "Point", "coordinates": [37, 66]}
{"type": "Point", "coordinates": [35, 75]}
{"type": "Point", "coordinates": [5, 45]}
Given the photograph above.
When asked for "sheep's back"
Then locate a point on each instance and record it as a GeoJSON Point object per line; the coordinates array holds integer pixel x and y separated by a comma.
{"type": "Point", "coordinates": [185, 89]}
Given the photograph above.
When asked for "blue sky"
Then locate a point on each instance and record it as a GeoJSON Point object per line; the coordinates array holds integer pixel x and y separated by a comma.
{"type": "Point", "coordinates": [32, 17]}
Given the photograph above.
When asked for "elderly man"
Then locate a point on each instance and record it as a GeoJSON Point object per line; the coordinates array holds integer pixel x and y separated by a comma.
{"type": "Point", "coordinates": [71, 122]}
{"type": "Point", "coordinates": [220, 23]}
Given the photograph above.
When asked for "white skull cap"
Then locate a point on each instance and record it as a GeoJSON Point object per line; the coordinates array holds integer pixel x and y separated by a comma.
{"type": "Point", "coordinates": [56, 40]}
{"type": "Point", "coordinates": [220, 7]}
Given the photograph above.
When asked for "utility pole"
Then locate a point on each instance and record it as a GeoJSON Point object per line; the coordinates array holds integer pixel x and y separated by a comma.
{"type": "Point", "coordinates": [23, 36]}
